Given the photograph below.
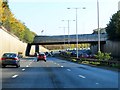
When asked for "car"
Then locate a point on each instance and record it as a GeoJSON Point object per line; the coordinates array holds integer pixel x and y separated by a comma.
{"type": "Point", "coordinates": [84, 55]}
{"type": "Point", "coordinates": [48, 54]}
{"type": "Point", "coordinates": [41, 56]}
{"type": "Point", "coordinates": [10, 59]}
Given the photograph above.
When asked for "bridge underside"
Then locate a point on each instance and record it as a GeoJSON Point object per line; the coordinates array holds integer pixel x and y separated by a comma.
{"type": "Point", "coordinates": [56, 43]}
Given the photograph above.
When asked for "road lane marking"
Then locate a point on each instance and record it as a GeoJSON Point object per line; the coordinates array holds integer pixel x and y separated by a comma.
{"type": "Point", "coordinates": [68, 69]}
{"type": "Point", "coordinates": [27, 66]}
{"type": "Point", "coordinates": [61, 66]}
{"type": "Point", "coordinates": [81, 76]}
{"type": "Point", "coordinates": [23, 69]}
{"type": "Point", "coordinates": [58, 64]}
{"type": "Point", "coordinates": [96, 83]}
{"type": "Point", "coordinates": [14, 76]}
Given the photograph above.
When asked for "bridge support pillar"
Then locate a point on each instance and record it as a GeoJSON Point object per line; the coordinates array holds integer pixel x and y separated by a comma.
{"type": "Point", "coordinates": [36, 48]}
{"type": "Point", "coordinates": [27, 53]}
{"type": "Point", "coordinates": [94, 48]}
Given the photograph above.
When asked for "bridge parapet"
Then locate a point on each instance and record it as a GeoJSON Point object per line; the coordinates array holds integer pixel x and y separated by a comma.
{"type": "Point", "coordinates": [72, 38]}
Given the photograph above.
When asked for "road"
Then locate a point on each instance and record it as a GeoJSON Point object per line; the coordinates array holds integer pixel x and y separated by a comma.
{"type": "Point", "coordinates": [57, 73]}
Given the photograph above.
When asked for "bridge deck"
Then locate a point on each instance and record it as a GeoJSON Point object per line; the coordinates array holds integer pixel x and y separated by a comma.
{"type": "Point", "coordinates": [61, 39]}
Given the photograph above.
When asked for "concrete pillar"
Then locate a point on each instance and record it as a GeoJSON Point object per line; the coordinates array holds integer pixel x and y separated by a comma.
{"type": "Point", "coordinates": [36, 48]}
{"type": "Point", "coordinates": [94, 48]}
{"type": "Point", "coordinates": [28, 48]}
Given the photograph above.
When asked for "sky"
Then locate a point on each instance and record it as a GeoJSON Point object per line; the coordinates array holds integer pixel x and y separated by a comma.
{"type": "Point", "coordinates": [47, 15]}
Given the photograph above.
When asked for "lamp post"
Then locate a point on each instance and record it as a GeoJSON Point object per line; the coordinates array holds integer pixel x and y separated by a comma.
{"type": "Point", "coordinates": [98, 26]}
{"type": "Point", "coordinates": [68, 32]}
{"type": "Point", "coordinates": [76, 29]}
{"type": "Point", "coordinates": [64, 35]}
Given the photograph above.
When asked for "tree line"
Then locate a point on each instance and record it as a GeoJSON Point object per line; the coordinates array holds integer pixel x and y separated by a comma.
{"type": "Point", "coordinates": [113, 27]}
{"type": "Point", "coordinates": [13, 25]}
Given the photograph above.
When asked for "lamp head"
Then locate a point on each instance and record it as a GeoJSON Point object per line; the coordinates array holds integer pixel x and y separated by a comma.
{"type": "Point", "coordinates": [68, 8]}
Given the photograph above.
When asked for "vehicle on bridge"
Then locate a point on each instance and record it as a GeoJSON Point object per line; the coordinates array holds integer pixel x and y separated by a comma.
{"type": "Point", "coordinates": [10, 59]}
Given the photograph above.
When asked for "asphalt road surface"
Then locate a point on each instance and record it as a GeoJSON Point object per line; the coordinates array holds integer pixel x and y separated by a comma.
{"type": "Point", "coordinates": [57, 73]}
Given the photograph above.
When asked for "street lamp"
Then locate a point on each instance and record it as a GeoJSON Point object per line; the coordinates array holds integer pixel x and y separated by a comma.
{"type": "Point", "coordinates": [68, 31]}
{"type": "Point", "coordinates": [42, 32]}
{"type": "Point", "coordinates": [64, 34]}
{"type": "Point", "coordinates": [76, 28]}
{"type": "Point", "coordinates": [98, 26]}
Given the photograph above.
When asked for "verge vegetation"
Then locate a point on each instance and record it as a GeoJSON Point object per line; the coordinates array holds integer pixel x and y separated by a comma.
{"type": "Point", "coordinates": [18, 28]}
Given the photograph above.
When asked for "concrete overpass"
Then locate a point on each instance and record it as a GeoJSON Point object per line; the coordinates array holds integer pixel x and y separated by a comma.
{"type": "Point", "coordinates": [84, 38]}
{"type": "Point", "coordinates": [63, 39]}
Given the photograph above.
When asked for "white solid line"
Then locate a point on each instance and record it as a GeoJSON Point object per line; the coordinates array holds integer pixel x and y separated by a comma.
{"type": "Point", "coordinates": [23, 69]}
{"type": "Point", "coordinates": [81, 76]}
{"type": "Point", "coordinates": [61, 66]}
{"type": "Point", "coordinates": [68, 69]}
{"type": "Point", "coordinates": [14, 76]}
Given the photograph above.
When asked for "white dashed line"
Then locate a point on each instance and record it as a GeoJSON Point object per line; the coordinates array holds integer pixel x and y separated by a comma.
{"type": "Point", "coordinates": [96, 83]}
{"type": "Point", "coordinates": [58, 64]}
{"type": "Point", "coordinates": [27, 66]}
{"type": "Point", "coordinates": [61, 66]}
{"type": "Point", "coordinates": [68, 69]}
{"type": "Point", "coordinates": [81, 76]}
{"type": "Point", "coordinates": [23, 69]}
{"type": "Point", "coordinates": [14, 76]}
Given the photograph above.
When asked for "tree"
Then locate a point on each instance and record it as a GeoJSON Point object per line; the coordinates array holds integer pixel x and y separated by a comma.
{"type": "Point", "coordinates": [13, 25]}
{"type": "Point", "coordinates": [113, 28]}
{"type": "Point", "coordinates": [1, 11]}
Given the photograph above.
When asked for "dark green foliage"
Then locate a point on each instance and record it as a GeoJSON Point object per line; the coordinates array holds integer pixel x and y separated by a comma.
{"type": "Point", "coordinates": [113, 28]}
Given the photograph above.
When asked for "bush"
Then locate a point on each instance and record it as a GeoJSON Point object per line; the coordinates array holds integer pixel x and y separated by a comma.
{"type": "Point", "coordinates": [74, 60]}
{"type": "Point", "coordinates": [107, 56]}
{"type": "Point", "coordinates": [103, 56]}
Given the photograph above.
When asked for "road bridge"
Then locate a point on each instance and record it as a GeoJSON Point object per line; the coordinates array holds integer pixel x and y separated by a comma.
{"type": "Point", "coordinates": [63, 39]}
